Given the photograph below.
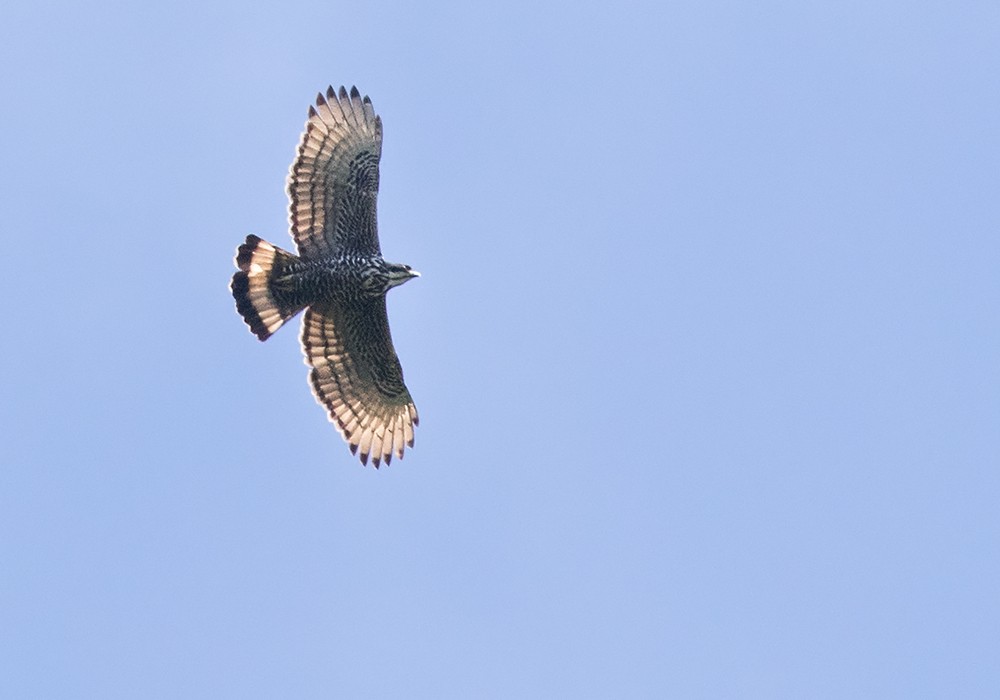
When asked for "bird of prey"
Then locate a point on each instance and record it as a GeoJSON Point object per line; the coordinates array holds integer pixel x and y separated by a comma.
{"type": "Point", "coordinates": [338, 277]}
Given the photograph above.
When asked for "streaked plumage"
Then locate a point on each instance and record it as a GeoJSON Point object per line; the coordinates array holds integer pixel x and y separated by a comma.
{"type": "Point", "coordinates": [339, 277]}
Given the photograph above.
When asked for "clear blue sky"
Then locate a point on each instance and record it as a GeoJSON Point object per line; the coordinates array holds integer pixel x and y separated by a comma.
{"type": "Point", "coordinates": [705, 349]}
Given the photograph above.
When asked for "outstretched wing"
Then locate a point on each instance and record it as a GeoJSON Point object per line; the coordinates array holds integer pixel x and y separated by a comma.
{"type": "Point", "coordinates": [333, 182]}
{"type": "Point", "coordinates": [357, 377]}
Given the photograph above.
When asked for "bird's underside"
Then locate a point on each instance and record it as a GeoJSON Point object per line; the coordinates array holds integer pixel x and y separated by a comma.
{"type": "Point", "coordinates": [338, 278]}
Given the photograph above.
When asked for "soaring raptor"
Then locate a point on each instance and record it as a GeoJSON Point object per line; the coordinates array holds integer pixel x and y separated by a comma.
{"type": "Point", "coordinates": [339, 277]}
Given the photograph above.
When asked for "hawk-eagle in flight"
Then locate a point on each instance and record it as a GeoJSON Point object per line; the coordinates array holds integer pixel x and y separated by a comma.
{"type": "Point", "coordinates": [338, 277]}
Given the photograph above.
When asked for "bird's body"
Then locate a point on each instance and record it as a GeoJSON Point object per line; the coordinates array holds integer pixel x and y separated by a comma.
{"type": "Point", "coordinates": [339, 277]}
{"type": "Point", "coordinates": [342, 280]}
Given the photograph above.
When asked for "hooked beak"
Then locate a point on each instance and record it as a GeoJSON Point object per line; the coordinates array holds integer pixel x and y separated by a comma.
{"type": "Point", "coordinates": [399, 276]}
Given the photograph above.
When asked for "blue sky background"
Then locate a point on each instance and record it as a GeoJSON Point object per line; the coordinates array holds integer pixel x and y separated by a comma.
{"type": "Point", "coordinates": [705, 348]}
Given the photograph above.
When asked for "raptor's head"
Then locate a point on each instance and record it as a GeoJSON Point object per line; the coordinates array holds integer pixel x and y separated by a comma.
{"type": "Point", "coordinates": [400, 273]}
{"type": "Point", "coordinates": [381, 278]}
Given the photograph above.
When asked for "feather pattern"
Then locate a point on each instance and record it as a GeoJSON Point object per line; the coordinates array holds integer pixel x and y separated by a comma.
{"type": "Point", "coordinates": [339, 277]}
{"type": "Point", "coordinates": [333, 182]}
{"type": "Point", "coordinates": [356, 375]}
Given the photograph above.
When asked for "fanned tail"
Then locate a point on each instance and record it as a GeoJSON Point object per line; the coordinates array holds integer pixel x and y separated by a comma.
{"type": "Point", "coordinates": [259, 262]}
